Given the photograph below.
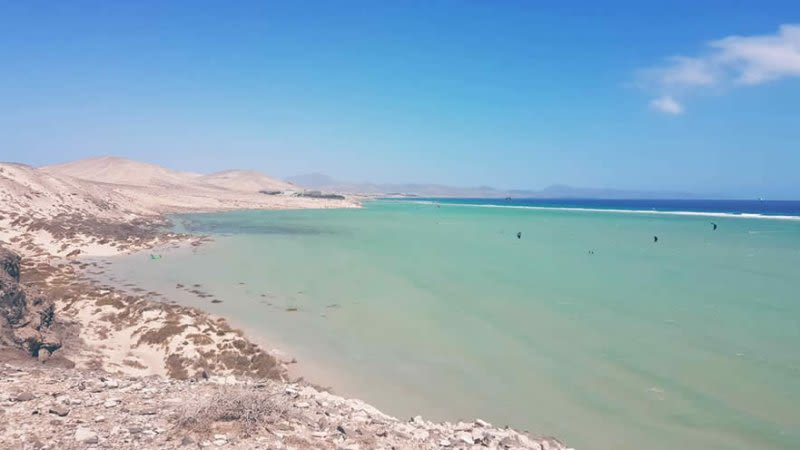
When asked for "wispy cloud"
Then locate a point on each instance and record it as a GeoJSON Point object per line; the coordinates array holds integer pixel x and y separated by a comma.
{"type": "Point", "coordinates": [667, 104]}
{"type": "Point", "coordinates": [727, 62]}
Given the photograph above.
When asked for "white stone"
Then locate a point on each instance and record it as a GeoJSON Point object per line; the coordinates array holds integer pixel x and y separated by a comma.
{"type": "Point", "coordinates": [444, 443]}
{"type": "Point", "coordinates": [420, 434]}
{"type": "Point", "coordinates": [302, 404]}
{"type": "Point", "coordinates": [220, 436]}
{"type": "Point", "coordinates": [482, 423]}
{"type": "Point", "coordinates": [220, 442]}
{"type": "Point", "coordinates": [85, 436]}
{"type": "Point", "coordinates": [110, 403]}
{"type": "Point", "coordinates": [465, 437]}
{"type": "Point", "coordinates": [99, 419]}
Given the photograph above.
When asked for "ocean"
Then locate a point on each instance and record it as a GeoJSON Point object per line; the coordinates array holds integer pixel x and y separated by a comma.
{"type": "Point", "coordinates": [584, 327]}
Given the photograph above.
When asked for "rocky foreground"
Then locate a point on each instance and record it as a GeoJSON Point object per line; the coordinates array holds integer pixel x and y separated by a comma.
{"type": "Point", "coordinates": [43, 407]}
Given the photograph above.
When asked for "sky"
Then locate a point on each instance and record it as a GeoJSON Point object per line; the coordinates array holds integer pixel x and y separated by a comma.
{"type": "Point", "coordinates": [701, 97]}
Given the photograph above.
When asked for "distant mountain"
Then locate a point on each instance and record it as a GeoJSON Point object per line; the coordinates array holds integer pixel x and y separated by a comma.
{"type": "Point", "coordinates": [322, 182]}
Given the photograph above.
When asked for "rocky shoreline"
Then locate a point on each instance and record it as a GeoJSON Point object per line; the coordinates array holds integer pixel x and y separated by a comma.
{"type": "Point", "coordinates": [47, 408]}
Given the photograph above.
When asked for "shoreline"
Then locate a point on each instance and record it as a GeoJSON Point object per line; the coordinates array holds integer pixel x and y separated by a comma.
{"type": "Point", "coordinates": [297, 370]}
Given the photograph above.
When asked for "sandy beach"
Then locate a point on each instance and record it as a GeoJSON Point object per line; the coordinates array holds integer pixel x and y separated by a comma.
{"type": "Point", "coordinates": [58, 217]}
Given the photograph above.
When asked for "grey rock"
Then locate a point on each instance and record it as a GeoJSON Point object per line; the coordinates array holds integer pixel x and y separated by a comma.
{"type": "Point", "coordinates": [24, 397]}
{"type": "Point", "coordinates": [147, 412]}
{"type": "Point", "coordinates": [59, 410]}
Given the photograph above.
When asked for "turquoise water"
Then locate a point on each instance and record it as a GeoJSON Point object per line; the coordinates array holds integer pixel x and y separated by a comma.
{"type": "Point", "coordinates": [691, 342]}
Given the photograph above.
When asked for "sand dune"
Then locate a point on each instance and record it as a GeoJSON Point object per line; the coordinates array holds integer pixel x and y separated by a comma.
{"type": "Point", "coordinates": [117, 187]}
{"type": "Point", "coordinates": [111, 169]}
{"type": "Point", "coordinates": [120, 190]}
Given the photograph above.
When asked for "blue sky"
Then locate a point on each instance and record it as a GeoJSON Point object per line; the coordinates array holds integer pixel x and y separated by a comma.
{"type": "Point", "coordinates": [692, 96]}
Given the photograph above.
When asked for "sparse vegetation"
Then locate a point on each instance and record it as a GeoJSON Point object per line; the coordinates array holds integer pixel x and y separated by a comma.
{"type": "Point", "coordinates": [250, 410]}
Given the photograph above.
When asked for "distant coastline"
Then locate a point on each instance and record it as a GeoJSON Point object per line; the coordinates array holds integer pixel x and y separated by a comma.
{"type": "Point", "coordinates": [751, 209]}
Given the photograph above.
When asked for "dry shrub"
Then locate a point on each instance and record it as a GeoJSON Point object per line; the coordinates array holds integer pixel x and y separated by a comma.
{"type": "Point", "coordinates": [133, 363]}
{"type": "Point", "coordinates": [248, 409]}
{"type": "Point", "coordinates": [200, 339]}
{"type": "Point", "coordinates": [162, 335]}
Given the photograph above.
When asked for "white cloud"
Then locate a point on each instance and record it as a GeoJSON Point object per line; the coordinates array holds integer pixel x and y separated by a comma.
{"type": "Point", "coordinates": [667, 104]}
{"type": "Point", "coordinates": [730, 61]}
{"type": "Point", "coordinates": [758, 59]}
{"type": "Point", "coordinates": [684, 71]}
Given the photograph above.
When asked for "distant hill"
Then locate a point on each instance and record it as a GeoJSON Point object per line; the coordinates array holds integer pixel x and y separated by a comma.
{"type": "Point", "coordinates": [245, 181]}
{"type": "Point", "coordinates": [325, 182]}
{"type": "Point", "coordinates": [115, 170]}
{"type": "Point", "coordinates": [121, 171]}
